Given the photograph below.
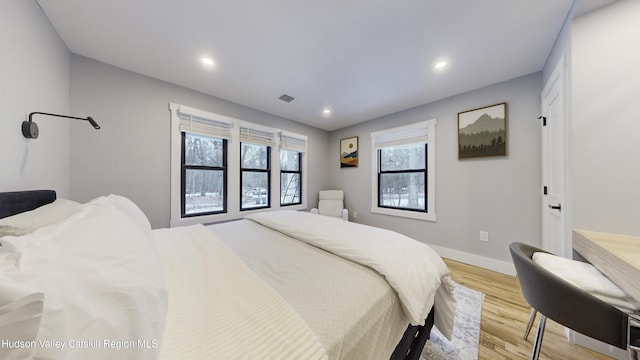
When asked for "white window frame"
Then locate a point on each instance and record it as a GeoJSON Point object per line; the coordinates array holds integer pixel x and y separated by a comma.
{"type": "Point", "coordinates": [233, 166]}
{"type": "Point", "coordinates": [421, 132]}
{"type": "Point", "coordinates": [255, 134]}
{"type": "Point", "coordinates": [294, 142]}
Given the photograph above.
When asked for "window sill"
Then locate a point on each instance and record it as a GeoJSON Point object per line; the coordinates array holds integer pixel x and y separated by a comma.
{"type": "Point", "coordinates": [215, 218]}
{"type": "Point", "coordinates": [404, 213]}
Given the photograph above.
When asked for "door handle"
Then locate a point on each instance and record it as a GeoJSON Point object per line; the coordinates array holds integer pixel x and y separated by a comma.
{"type": "Point", "coordinates": [557, 207]}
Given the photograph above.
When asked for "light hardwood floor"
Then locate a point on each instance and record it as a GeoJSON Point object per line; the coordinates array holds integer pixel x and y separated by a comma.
{"type": "Point", "coordinates": [504, 317]}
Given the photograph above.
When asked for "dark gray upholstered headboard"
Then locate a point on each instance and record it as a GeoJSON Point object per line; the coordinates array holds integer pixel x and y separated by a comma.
{"type": "Point", "coordinates": [16, 202]}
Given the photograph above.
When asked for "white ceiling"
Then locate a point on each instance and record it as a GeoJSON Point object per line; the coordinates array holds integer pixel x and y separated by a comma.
{"type": "Point", "coordinates": [361, 58]}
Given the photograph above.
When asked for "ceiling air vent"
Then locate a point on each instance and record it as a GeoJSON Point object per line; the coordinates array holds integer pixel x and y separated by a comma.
{"type": "Point", "coordinates": [286, 98]}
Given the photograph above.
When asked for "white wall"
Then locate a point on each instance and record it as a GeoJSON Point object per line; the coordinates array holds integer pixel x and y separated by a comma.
{"type": "Point", "coordinates": [34, 75]}
{"type": "Point", "coordinates": [130, 155]}
{"type": "Point", "coordinates": [561, 48]}
{"type": "Point", "coordinates": [606, 120]}
{"type": "Point", "coordinates": [603, 173]}
{"type": "Point", "coordinates": [500, 195]}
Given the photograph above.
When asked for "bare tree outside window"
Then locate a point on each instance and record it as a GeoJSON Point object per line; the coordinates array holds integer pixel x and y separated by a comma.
{"type": "Point", "coordinates": [290, 176]}
{"type": "Point", "coordinates": [255, 173]}
{"type": "Point", "coordinates": [402, 177]}
{"type": "Point", "coordinates": [203, 174]}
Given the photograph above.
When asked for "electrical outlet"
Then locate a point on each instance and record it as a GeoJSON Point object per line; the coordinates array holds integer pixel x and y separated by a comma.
{"type": "Point", "coordinates": [484, 236]}
{"type": "Point", "coordinates": [355, 214]}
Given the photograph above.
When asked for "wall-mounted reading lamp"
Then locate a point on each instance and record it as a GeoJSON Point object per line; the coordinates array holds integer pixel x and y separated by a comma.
{"type": "Point", "coordinates": [30, 129]}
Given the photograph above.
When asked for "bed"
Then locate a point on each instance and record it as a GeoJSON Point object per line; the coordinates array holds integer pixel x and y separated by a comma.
{"type": "Point", "coordinates": [94, 281]}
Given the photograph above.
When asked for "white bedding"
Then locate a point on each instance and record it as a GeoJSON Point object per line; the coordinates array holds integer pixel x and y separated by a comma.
{"type": "Point", "coordinates": [99, 279]}
{"type": "Point", "coordinates": [414, 270]}
{"type": "Point", "coordinates": [219, 309]}
{"type": "Point", "coordinates": [350, 307]}
{"type": "Point", "coordinates": [96, 284]}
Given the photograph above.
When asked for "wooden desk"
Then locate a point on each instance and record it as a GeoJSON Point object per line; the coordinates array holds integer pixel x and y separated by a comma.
{"type": "Point", "coordinates": [617, 256]}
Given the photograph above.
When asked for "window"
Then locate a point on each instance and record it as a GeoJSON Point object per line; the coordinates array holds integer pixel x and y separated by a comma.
{"type": "Point", "coordinates": [204, 174]}
{"type": "Point", "coordinates": [221, 167]}
{"type": "Point", "coordinates": [292, 164]}
{"type": "Point", "coordinates": [255, 176]}
{"type": "Point", "coordinates": [402, 174]}
{"type": "Point", "coordinates": [255, 165]}
{"type": "Point", "coordinates": [290, 176]}
{"type": "Point", "coordinates": [403, 171]}
{"type": "Point", "coordinates": [199, 164]}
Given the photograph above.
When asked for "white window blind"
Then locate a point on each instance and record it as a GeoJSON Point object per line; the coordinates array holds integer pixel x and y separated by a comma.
{"type": "Point", "coordinates": [411, 134]}
{"type": "Point", "coordinates": [258, 135]}
{"type": "Point", "coordinates": [293, 142]}
{"type": "Point", "coordinates": [196, 121]}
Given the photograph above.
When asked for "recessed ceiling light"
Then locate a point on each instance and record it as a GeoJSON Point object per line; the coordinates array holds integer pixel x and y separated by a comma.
{"type": "Point", "coordinates": [440, 64]}
{"type": "Point", "coordinates": [326, 112]}
{"type": "Point", "coordinates": [208, 61]}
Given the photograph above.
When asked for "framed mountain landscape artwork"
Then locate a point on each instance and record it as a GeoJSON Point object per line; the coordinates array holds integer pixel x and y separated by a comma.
{"type": "Point", "coordinates": [483, 132]}
{"type": "Point", "coordinates": [349, 152]}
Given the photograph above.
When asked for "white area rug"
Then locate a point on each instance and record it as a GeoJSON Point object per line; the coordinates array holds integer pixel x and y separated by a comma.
{"type": "Point", "coordinates": [466, 330]}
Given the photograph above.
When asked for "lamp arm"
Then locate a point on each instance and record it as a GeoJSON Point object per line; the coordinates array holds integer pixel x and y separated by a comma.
{"type": "Point", "coordinates": [30, 128]}
{"type": "Point", "coordinates": [88, 118]}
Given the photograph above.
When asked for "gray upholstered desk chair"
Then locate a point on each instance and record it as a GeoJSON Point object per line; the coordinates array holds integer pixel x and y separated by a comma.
{"type": "Point", "coordinates": [331, 203]}
{"type": "Point", "coordinates": [570, 306]}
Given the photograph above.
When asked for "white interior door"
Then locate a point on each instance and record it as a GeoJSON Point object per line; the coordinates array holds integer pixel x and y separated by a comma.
{"type": "Point", "coordinates": [555, 234]}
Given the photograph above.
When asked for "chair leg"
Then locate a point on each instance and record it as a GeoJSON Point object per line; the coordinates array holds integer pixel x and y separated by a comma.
{"type": "Point", "coordinates": [535, 353]}
{"type": "Point", "coordinates": [532, 319]}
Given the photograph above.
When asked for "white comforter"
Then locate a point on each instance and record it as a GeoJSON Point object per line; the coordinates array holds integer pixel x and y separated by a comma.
{"type": "Point", "coordinates": [219, 309]}
{"type": "Point", "coordinates": [350, 307]}
{"type": "Point", "coordinates": [98, 286]}
{"type": "Point", "coordinates": [414, 270]}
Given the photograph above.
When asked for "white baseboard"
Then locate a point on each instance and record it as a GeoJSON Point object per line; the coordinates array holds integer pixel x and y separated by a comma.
{"type": "Point", "coordinates": [595, 345]}
{"type": "Point", "coordinates": [500, 266]}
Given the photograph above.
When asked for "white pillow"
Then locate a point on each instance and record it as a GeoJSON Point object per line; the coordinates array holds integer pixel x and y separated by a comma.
{"type": "Point", "coordinates": [586, 277]}
{"type": "Point", "coordinates": [29, 221]}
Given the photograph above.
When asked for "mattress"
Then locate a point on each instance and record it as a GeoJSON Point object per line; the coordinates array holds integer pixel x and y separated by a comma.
{"type": "Point", "coordinates": [351, 308]}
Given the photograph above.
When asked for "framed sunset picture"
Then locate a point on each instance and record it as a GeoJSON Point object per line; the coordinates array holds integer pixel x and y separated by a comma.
{"type": "Point", "coordinates": [349, 152]}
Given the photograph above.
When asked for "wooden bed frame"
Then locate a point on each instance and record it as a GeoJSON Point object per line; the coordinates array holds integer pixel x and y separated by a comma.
{"type": "Point", "coordinates": [409, 348]}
